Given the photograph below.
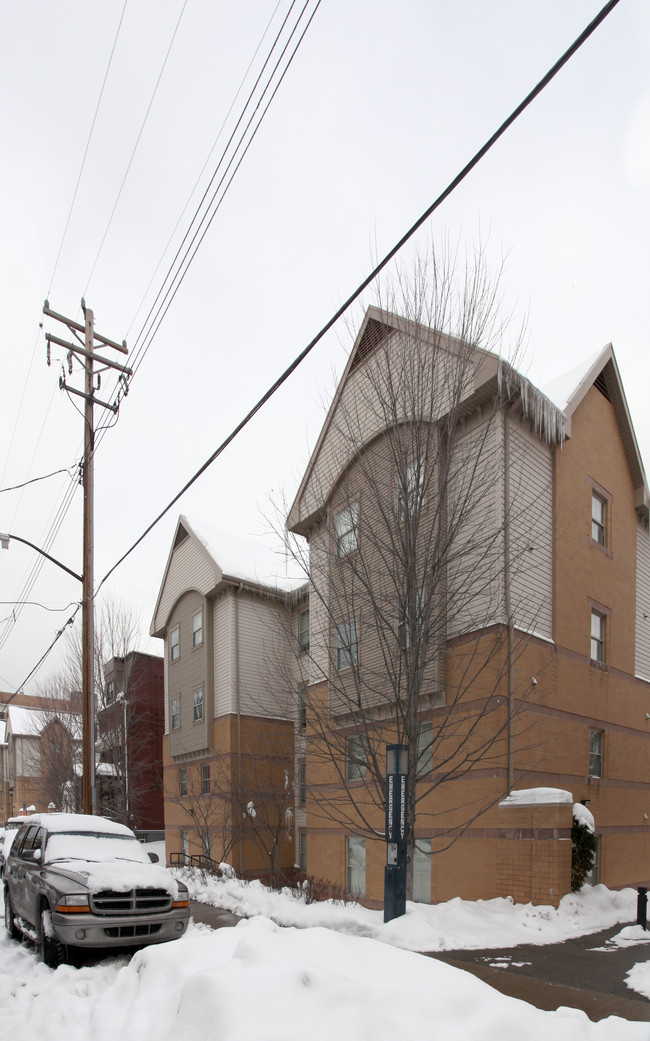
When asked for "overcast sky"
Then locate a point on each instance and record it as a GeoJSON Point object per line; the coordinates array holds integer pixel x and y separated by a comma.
{"type": "Point", "coordinates": [382, 105]}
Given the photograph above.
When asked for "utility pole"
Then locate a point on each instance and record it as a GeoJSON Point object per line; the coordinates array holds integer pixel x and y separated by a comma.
{"type": "Point", "coordinates": [87, 352]}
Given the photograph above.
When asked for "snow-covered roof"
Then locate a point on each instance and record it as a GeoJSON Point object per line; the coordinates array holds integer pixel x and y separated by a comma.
{"type": "Point", "coordinates": [26, 722]}
{"type": "Point", "coordinates": [249, 559]}
{"type": "Point", "coordinates": [562, 389]}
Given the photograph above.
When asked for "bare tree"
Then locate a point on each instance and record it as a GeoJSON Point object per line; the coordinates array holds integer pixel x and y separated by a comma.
{"type": "Point", "coordinates": [411, 545]}
{"type": "Point", "coordinates": [266, 801]}
{"type": "Point", "coordinates": [203, 791]}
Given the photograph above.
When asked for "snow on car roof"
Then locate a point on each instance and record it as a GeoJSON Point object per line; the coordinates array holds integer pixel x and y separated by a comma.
{"type": "Point", "coordinates": [59, 822]}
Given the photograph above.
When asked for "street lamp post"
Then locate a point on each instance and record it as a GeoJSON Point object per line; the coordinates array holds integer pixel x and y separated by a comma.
{"type": "Point", "coordinates": [88, 676]}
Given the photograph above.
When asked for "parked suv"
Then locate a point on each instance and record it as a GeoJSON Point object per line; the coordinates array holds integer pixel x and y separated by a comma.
{"type": "Point", "coordinates": [73, 880]}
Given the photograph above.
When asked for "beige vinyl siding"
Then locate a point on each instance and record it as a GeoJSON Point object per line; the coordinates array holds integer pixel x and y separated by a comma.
{"type": "Point", "coordinates": [263, 663]}
{"type": "Point", "coordinates": [475, 568]}
{"type": "Point", "coordinates": [357, 417]}
{"type": "Point", "coordinates": [642, 641]}
{"type": "Point", "coordinates": [166, 681]}
{"type": "Point", "coordinates": [27, 757]}
{"type": "Point", "coordinates": [531, 529]}
{"type": "Point", "coordinates": [318, 616]}
{"type": "Point", "coordinates": [189, 568]}
{"type": "Point", "coordinates": [224, 655]}
{"type": "Point", "coordinates": [188, 673]}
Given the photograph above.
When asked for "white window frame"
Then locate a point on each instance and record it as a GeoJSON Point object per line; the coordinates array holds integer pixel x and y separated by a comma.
{"type": "Point", "coordinates": [205, 779]}
{"type": "Point", "coordinates": [175, 714]}
{"type": "Point", "coordinates": [347, 645]}
{"type": "Point", "coordinates": [346, 530]}
{"type": "Point", "coordinates": [598, 519]}
{"type": "Point", "coordinates": [302, 782]}
{"type": "Point", "coordinates": [404, 627]}
{"type": "Point", "coordinates": [197, 705]}
{"type": "Point", "coordinates": [355, 861]}
{"type": "Point", "coordinates": [595, 753]}
{"type": "Point", "coordinates": [409, 492]}
{"type": "Point", "coordinates": [356, 757]}
{"type": "Point", "coordinates": [302, 852]}
{"type": "Point", "coordinates": [425, 748]}
{"type": "Point", "coordinates": [598, 633]}
{"type": "Point", "coordinates": [303, 631]}
{"type": "Point", "coordinates": [182, 782]}
{"type": "Point", "coordinates": [422, 871]}
{"type": "Point", "coordinates": [175, 643]}
{"type": "Point", "coordinates": [110, 692]}
{"type": "Point", "coordinates": [197, 630]}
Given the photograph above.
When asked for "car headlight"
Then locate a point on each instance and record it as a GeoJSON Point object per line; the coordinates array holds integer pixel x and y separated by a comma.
{"type": "Point", "coordinates": [183, 898]}
{"type": "Point", "coordinates": [73, 903]}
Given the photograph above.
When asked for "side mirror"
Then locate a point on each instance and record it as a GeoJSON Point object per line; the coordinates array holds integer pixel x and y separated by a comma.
{"type": "Point", "coordinates": [37, 855]}
{"type": "Point", "coordinates": [154, 858]}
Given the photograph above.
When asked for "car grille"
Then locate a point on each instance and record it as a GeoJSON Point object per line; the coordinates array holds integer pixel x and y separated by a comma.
{"type": "Point", "coordinates": [135, 901]}
{"type": "Point", "coordinates": [127, 932]}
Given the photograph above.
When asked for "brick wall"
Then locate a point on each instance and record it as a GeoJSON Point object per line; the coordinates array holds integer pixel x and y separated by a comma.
{"type": "Point", "coordinates": [534, 852]}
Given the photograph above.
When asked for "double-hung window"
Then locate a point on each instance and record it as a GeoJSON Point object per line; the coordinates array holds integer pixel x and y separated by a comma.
{"type": "Point", "coordinates": [197, 628]}
{"type": "Point", "coordinates": [197, 698]}
{"type": "Point", "coordinates": [303, 631]}
{"type": "Point", "coordinates": [598, 519]}
{"type": "Point", "coordinates": [595, 753]}
{"type": "Point", "coordinates": [597, 637]}
{"type": "Point", "coordinates": [425, 749]}
{"type": "Point", "coordinates": [110, 692]}
{"type": "Point", "coordinates": [175, 643]}
{"type": "Point", "coordinates": [347, 648]}
{"type": "Point", "coordinates": [205, 778]}
{"type": "Point", "coordinates": [302, 782]}
{"type": "Point", "coordinates": [356, 865]}
{"type": "Point", "coordinates": [302, 708]}
{"type": "Point", "coordinates": [182, 781]}
{"type": "Point", "coordinates": [409, 493]}
{"type": "Point", "coordinates": [346, 530]}
{"type": "Point", "coordinates": [176, 713]}
{"type": "Point", "coordinates": [404, 622]}
{"type": "Point", "coordinates": [356, 758]}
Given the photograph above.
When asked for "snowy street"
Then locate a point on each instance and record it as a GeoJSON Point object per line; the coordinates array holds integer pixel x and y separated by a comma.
{"type": "Point", "coordinates": [341, 971]}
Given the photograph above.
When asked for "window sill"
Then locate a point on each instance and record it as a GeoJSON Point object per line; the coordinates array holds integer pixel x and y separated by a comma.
{"type": "Point", "coordinates": [601, 549]}
{"type": "Point", "coordinates": [600, 665]}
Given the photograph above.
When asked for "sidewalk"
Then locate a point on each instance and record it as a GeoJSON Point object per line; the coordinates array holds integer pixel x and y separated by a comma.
{"type": "Point", "coordinates": [578, 973]}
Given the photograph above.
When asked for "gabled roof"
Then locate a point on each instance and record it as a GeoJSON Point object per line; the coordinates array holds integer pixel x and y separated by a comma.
{"type": "Point", "coordinates": [550, 408]}
{"type": "Point", "coordinates": [601, 370]}
{"type": "Point", "coordinates": [231, 559]}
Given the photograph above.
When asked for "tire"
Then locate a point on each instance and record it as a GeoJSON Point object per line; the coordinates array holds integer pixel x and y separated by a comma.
{"type": "Point", "coordinates": [10, 925]}
{"type": "Point", "coordinates": [50, 949]}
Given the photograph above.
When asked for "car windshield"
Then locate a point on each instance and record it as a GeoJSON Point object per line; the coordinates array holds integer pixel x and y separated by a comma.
{"type": "Point", "coordinates": [93, 846]}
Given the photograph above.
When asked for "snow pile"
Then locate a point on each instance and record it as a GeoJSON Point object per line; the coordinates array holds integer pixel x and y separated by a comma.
{"type": "Point", "coordinates": [454, 925]}
{"type": "Point", "coordinates": [257, 982]}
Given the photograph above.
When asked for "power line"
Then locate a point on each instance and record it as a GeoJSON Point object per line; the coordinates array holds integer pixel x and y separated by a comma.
{"type": "Point", "coordinates": [83, 161]}
{"type": "Point", "coordinates": [135, 147]}
{"type": "Point", "coordinates": [575, 46]}
{"type": "Point", "coordinates": [45, 477]}
{"type": "Point", "coordinates": [476, 158]}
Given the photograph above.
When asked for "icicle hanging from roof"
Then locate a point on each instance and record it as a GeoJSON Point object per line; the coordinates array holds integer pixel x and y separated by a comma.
{"type": "Point", "coordinates": [547, 419]}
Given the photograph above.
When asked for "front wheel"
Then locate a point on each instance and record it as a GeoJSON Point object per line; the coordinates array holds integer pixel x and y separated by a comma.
{"type": "Point", "coordinates": [10, 923]}
{"type": "Point", "coordinates": [50, 949]}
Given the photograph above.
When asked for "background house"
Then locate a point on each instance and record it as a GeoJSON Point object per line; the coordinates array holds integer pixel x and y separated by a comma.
{"type": "Point", "coordinates": [130, 726]}
{"type": "Point", "coordinates": [40, 747]}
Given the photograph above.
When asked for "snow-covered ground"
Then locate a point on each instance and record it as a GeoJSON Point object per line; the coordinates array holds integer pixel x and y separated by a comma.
{"type": "Point", "coordinates": [324, 972]}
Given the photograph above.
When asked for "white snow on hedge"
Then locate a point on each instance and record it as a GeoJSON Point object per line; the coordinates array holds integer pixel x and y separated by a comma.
{"type": "Point", "coordinates": [584, 816]}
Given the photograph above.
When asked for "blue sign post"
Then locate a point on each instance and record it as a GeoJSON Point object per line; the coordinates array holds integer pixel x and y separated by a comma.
{"type": "Point", "coordinates": [396, 831]}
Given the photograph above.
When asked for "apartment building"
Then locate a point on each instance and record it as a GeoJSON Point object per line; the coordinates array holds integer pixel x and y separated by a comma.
{"type": "Point", "coordinates": [232, 621]}
{"type": "Point", "coordinates": [480, 591]}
